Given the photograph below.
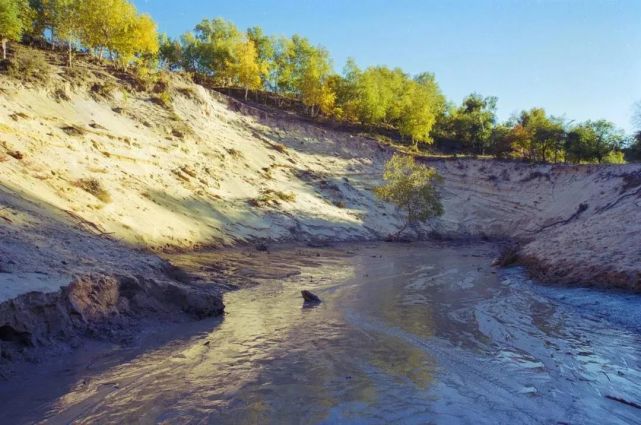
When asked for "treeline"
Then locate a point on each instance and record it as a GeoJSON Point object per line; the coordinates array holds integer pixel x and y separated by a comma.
{"type": "Point", "coordinates": [293, 68]}
{"type": "Point", "coordinates": [533, 135]}
{"type": "Point", "coordinates": [104, 27]}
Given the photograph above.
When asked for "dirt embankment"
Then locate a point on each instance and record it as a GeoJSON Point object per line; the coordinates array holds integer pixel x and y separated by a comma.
{"type": "Point", "coordinates": [571, 224]}
{"type": "Point", "coordinates": [95, 176]}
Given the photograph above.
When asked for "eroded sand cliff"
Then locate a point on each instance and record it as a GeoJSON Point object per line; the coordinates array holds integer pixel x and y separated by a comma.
{"type": "Point", "coordinates": [93, 183]}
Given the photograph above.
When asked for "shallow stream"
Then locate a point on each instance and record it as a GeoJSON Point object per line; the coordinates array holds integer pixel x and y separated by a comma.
{"type": "Point", "coordinates": [406, 333]}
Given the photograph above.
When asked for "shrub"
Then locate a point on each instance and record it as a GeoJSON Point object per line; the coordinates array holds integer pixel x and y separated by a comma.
{"type": "Point", "coordinates": [162, 99]}
{"type": "Point", "coordinates": [94, 187]}
{"type": "Point", "coordinates": [411, 187]}
{"type": "Point", "coordinates": [614, 157]}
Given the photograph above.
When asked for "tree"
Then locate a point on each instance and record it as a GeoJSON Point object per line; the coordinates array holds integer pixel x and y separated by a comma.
{"type": "Point", "coordinates": [51, 15]}
{"type": "Point", "coordinates": [471, 124]}
{"type": "Point", "coordinates": [282, 76]}
{"type": "Point", "coordinates": [412, 188]}
{"type": "Point", "coordinates": [304, 71]}
{"type": "Point", "coordinates": [264, 53]}
{"type": "Point", "coordinates": [212, 49]}
{"type": "Point", "coordinates": [607, 138]}
{"type": "Point", "coordinates": [116, 26]}
{"type": "Point", "coordinates": [138, 40]}
{"type": "Point", "coordinates": [344, 88]}
{"type": "Point", "coordinates": [422, 103]}
{"type": "Point", "coordinates": [592, 141]}
{"type": "Point", "coordinates": [633, 151]}
{"type": "Point", "coordinates": [539, 134]}
{"type": "Point", "coordinates": [312, 82]}
{"type": "Point", "coordinates": [13, 21]}
{"type": "Point", "coordinates": [170, 53]}
{"type": "Point", "coordinates": [67, 21]}
{"type": "Point", "coordinates": [245, 67]}
{"type": "Point", "coordinates": [502, 141]}
{"type": "Point", "coordinates": [103, 23]}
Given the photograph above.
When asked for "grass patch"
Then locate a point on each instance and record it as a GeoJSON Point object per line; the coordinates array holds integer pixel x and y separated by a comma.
{"type": "Point", "coordinates": [93, 187]}
{"type": "Point", "coordinates": [234, 153]}
{"type": "Point", "coordinates": [28, 67]}
{"type": "Point", "coordinates": [269, 197]}
{"type": "Point", "coordinates": [104, 90]}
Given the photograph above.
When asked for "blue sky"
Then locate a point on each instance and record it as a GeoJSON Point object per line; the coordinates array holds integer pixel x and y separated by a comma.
{"type": "Point", "coordinates": [576, 58]}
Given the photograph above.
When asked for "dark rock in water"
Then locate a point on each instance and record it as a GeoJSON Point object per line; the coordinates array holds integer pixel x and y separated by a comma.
{"type": "Point", "coordinates": [261, 247]}
{"type": "Point", "coordinates": [309, 297]}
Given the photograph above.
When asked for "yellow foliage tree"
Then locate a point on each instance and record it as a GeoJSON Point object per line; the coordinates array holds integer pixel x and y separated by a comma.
{"type": "Point", "coordinates": [313, 84]}
{"type": "Point", "coordinates": [138, 39]}
{"type": "Point", "coordinates": [245, 67]}
{"type": "Point", "coordinates": [115, 26]}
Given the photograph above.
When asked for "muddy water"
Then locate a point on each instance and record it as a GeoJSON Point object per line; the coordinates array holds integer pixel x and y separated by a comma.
{"type": "Point", "coordinates": [407, 334]}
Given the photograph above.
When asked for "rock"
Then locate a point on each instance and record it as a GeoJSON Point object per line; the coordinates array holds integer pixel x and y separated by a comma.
{"type": "Point", "coordinates": [309, 297]}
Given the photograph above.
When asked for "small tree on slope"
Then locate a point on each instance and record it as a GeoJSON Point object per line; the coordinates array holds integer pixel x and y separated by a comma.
{"type": "Point", "coordinates": [411, 187]}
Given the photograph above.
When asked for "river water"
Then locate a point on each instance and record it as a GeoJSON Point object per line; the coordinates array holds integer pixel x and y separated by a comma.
{"type": "Point", "coordinates": [406, 333]}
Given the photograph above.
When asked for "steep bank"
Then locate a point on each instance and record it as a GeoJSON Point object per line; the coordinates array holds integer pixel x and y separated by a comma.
{"type": "Point", "coordinates": [96, 175]}
{"type": "Point", "coordinates": [572, 224]}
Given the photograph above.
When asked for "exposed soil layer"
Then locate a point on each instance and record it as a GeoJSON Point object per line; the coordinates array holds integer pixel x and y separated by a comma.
{"type": "Point", "coordinates": [96, 306]}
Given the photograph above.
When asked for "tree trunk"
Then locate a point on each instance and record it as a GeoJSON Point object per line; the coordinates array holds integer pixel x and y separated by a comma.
{"type": "Point", "coordinates": [4, 48]}
{"type": "Point", "coordinates": [246, 93]}
{"type": "Point", "coordinates": [69, 54]}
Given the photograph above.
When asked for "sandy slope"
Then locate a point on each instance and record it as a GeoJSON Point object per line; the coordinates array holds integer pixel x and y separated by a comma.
{"type": "Point", "coordinates": [193, 174]}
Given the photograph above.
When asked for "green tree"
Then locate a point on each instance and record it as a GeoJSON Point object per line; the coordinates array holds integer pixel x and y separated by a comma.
{"type": "Point", "coordinates": [282, 75]}
{"type": "Point", "coordinates": [212, 49]}
{"type": "Point", "coordinates": [344, 88]}
{"type": "Point", "coordinates": [607, 139]}
{"type": "Point", "coordinates": [594, 141]}
{"type": "Point", "coordinates": [170, 53]}
{"type": "Point", "coordinates": [304, 71]}
{"type": "Point", "coordinates": [540, 136]}
{"type": "Point", "coordinates": [14, 15]}
{"type": "Point", "coordinates": [51, 15]}
{"type": "Point", "coordinates": [412, 188]}
{"type": "Point", "coordinates": [502, 141]}
{"type": "Point", "coordinates": [471, 124]}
